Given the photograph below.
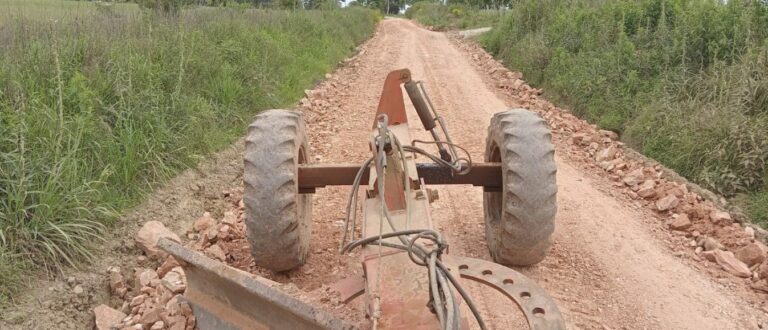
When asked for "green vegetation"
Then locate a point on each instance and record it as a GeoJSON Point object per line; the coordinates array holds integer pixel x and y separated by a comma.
{"type": "Point", "coordinates": [683, 81]}
{"type": "Point", "coordinates": [98, 105]}
{"type": "Point", "coordinates": [452, 17]}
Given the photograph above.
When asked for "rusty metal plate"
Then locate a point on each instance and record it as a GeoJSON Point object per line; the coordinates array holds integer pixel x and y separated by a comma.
{"type": "Point", "coordinates": [538, 307]}
{"type": "Point", "coordinates": [223, 297]}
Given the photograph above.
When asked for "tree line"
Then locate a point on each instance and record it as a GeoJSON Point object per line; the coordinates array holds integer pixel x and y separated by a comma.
{"type": "Point", "coordinates": [385, 6]}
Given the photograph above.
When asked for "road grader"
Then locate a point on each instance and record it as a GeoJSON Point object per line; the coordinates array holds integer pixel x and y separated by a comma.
{"type": "Point", "coordinates": [410, 279]}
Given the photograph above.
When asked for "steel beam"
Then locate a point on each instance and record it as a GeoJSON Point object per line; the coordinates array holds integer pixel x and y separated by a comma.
{"type": "Point", "coordinates": [313, 176]}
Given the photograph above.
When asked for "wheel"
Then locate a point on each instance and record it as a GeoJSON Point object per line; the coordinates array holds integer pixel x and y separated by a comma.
{"type": "Point", "coordinates": [520, 219]}
{"type": "Point", "coordinates": [277, 216]}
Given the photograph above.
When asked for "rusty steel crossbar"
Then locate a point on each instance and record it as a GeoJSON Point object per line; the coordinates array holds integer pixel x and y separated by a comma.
{"type": "Point", "coordinates": [313, 176]}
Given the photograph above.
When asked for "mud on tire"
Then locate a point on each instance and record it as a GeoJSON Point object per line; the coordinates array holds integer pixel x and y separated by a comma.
{"type": "Point", "coordinates": [520, 220]}
{"type": "Point", "coordinates": [277, 217]}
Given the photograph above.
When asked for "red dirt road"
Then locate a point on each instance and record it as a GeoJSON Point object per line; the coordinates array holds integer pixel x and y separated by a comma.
{"type": "Point", "coordinates": [613, 265]}
{"type": "Point", "coordinates": [610, 267]}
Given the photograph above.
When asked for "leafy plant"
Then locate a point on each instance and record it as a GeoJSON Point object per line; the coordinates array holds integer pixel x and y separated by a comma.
{"type": "Point", "coordinates": [99, 107]}
{"type": "Point", "coordinates": [684, 81]}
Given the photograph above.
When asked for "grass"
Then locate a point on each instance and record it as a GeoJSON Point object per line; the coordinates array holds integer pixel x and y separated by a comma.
{"type": "Point", "coordinates": [101, 104]}
{"type": "Point", "coordinates": [683, 81]}
{"type": "Point", "coordinates": [454, 17]}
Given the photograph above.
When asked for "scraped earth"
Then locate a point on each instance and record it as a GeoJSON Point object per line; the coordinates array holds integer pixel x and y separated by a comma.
{"type": "Point", "coordinates": [632, 247]}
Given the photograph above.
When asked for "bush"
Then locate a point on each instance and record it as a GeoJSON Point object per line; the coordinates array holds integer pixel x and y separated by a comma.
{"type": "Point", "coordinates": [166, 6]}
{"type": "Point", "coordinates": [451, 17]}
{"type": "Point", "coordinates": [683, 81]}
{"type": "Point", "coordinates": [96, 110]}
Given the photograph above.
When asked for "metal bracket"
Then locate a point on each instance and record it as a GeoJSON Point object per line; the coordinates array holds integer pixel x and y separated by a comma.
{"type": "Point", "coordinates": [538, 307]}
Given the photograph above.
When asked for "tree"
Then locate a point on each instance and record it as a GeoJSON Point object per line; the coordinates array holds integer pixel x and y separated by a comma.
{"type": "Point", "coordinates": [166, 6]}
{"type": "Point", "coordinates": [394, 5]}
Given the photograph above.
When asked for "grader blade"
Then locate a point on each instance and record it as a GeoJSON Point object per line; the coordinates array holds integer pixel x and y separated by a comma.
{"type": "Point", "coordinates": [225, 298]}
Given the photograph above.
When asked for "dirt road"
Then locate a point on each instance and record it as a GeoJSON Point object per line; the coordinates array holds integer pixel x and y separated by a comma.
{"type": "Point", "coordinates": [613, 265]}
{"type": "Point", "coordinates": [609, 267]}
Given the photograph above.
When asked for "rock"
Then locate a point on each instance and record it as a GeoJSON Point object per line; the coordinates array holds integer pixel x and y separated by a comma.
{"type": "Point", "coordinates": [750, 232]}
{"type": "Point", "coordinates": [174, 281]}
{"type": "Point", "coordinates": [761, 286]}
{"type": "Point", "coordinates": [701, 211]}
{"type": "Point", "coordinates": [751, 254]}
{"type": "Point", "coordinates": [606, 154]}
{"type": "Point", "coordinates": [145, 276]}
{"type": "Point", "coordinates": [159, 325]}
{"type": "Point", "coordinates": [763, 270]}
{"type": "Point", "coordinates": [720, 217]}
{"type": "Point", "coordinates": [172, 306]}
{"type": "Point", "coordinates": [632, 194]}
{"type": "Point", "coordinates": [667, 203]}
{"type": "Point", "coordinates": [634, 178]}
{"type": "Point", "coordinates": [709, 255]}
{"type": "Point", "coordinates": [150, 316]}
{"type": "Point", "coordinates": [164, 294]}
{"type": "Point", "coordinates": [709, 243]}
{"type": "Point", "coordinates": [216, 252]}
{"type": "Point", "coordinates": [619, 164]}
{"type": "Point", "coordinates": [116, 282]}
{"type": "Point", "coordinates": [149, 234]}
{"type": "Point", "coordinates": [150, 290]}
{"type": "Point", "coordinates": [647, 188]}
{"type": "Point", "coordinates": [605, 165]}
{"type": "Point", "coordinates": [186, 311]}
{"type": "Point", "coordinates": [680, 223]}
{"type": "Point", "coordinates": [78, 290]}
{"type": "Point", "coordinates": [729, 263]}
{"type": "Point", "coordinates": [191, 322]}
{"type": "Point", "coordinates": [107, 317]}
{"type": "Point", "coordinates": [229, 218]}
{"type": "Point", "coordinates": [168, 264]}
{"type": "Point", "coordinates": [177, 323]}
{"type": "Point", "coordinates": [223, 232]}
{"type": "Point", "coordinates": [138, 300]}
{"type": "Point", "coordinates": [580, 139]}
{"type": "Point", "coordinates": [204, 222]}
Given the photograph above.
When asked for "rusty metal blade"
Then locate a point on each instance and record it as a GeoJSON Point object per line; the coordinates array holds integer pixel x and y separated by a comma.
{"type": "Point", "coordinates": [224, 297]}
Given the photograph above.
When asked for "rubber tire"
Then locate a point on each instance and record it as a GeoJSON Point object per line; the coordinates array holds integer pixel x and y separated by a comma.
{"type": "Point", "coordinates": [520, 220]}
{"type": "Point", "coordinates": [277, 216]}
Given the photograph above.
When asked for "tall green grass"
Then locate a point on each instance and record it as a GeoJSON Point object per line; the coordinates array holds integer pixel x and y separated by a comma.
{"type": "Point", "coordinates": [684, 81]}
{"type": "Point", "coordinates": [452, 17]}
{"type": "Point", "coordinates": [98, 107]}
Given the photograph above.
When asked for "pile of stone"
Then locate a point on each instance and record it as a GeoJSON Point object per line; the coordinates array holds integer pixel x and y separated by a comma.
{"type": "Point", "coordinates": [686, 211]}
{"type": "Point", "coordinates": [151, 297]}
{"type": "Point", "coordinates": [711, 233]}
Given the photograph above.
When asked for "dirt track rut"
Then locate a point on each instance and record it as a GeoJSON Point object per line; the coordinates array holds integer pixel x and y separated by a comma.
{"type": "Point", "coordinates": [608, 269]}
